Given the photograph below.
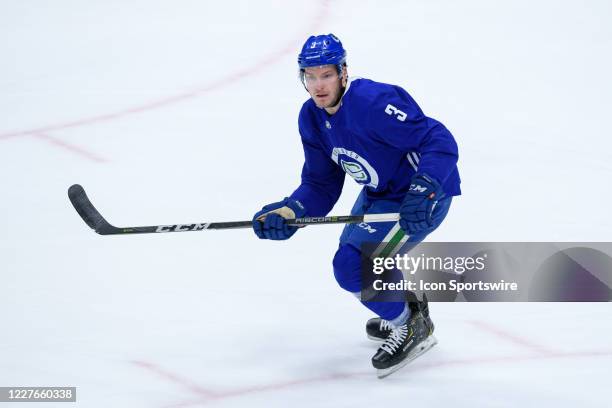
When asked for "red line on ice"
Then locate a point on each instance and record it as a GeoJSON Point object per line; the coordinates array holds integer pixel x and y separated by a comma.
{"type": "Point", "coordinates": [190, 385]}
{"type": "Point", "coordinates": [513, 338]}
{"type": "Point", "coordinates": [228, 80]}
{"type": "Point", "coordinates": [420, 365]}
{"type": "Point", "coordinates": [68, 146]}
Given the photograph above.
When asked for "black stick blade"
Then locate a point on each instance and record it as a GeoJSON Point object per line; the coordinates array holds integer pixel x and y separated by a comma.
{"type": "Point", "coordinates": [86, 210]}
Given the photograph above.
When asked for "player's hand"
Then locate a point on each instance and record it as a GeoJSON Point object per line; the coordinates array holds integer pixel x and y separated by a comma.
{"type": "Point", "coordinates": [269, 223]}
{"type": "Point", "coordinates": [418, 205]}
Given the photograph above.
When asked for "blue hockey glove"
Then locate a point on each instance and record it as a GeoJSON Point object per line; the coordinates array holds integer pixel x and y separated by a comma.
{"type": "Point", "coordinates": [419, 203]}
{"type": "Point", "coordinates": [274, 226]}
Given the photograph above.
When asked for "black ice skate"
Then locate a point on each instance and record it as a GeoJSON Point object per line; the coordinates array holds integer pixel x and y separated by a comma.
{"type": "Point", "coordinates": [404, 344]}
{"type": "Point", "coordinates": [378, 329]}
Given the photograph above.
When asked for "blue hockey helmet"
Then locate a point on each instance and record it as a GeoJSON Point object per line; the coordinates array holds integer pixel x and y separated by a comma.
{"type": "Point", "coordinates": [322, 50]}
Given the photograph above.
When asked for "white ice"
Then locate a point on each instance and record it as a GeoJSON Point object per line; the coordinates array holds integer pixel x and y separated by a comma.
{"type": "Point", "coordinates": [186, 111]}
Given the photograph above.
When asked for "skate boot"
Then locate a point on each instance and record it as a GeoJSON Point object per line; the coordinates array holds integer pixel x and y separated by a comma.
{"type": "Point", "coordinates": [423, 306]}
{"type": "Point", "coordinates": [404, 344]}
{"type": "Point", "coordinates": [378, 329]}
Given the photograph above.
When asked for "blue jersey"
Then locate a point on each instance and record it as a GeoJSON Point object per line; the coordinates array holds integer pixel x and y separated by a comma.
{"type": "Point", "coordinates": [380, 137]}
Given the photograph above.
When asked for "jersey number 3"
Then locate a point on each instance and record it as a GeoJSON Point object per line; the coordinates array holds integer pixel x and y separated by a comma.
{"type": "Point", "coordinates": [392, 110]}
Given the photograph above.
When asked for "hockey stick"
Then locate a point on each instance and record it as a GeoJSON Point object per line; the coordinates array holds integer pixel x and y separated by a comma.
{"type": "Point", "coordinates": [94, 219]}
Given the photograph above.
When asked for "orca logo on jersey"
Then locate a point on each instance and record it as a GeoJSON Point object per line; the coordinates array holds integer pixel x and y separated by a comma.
{"type": "Point", "coordinates": [355, 166]}
{"type": "Point", "coordinates": [354, 170]}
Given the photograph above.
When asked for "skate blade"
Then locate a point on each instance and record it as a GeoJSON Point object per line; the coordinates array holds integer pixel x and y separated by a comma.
{"type": "Point", "coordinates": [425, 345]}
{"type": "Point", "coordinates": [375, 338]}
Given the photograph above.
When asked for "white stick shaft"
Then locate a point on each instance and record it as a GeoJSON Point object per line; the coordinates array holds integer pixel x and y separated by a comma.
{"type": "Point", "coordinates": [388, 217]}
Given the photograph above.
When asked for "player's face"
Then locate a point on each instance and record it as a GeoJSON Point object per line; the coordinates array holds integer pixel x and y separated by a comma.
{"type": "Point", "coordinates": [323, 85]}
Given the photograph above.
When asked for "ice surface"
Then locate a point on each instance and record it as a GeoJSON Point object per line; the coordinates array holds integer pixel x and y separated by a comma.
{"type": "Point", "coordinates": [186, 111]}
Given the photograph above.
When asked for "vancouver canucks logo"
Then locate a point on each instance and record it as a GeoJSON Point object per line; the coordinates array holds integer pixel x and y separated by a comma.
{"type": "Point", "coordinates": [354, 170]}
{"type": "Point", "coordinates": [355, 166]}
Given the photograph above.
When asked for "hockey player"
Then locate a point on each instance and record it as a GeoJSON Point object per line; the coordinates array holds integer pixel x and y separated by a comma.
{"type": "Point", "coordinates": [406, 161]}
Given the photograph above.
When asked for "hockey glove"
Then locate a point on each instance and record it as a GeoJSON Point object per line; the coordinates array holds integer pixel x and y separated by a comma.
{"type": "Point", "coordinates": [418, 205]}
{"type": "Point", "coordinates": [269, 223]}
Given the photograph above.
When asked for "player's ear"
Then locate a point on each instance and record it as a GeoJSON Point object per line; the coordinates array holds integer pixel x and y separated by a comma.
{"type": "Point", "coordinates": [344, 75]}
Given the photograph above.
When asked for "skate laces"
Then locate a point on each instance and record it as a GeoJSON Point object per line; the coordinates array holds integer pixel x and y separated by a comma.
{"type": "Point", "coordinates": [395, 339]}
{"type": "Point", "coordinates": [385, 325]}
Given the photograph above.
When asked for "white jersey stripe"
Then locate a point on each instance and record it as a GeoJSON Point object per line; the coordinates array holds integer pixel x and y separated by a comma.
{"type": "Point", "coordinates": [411, 161]}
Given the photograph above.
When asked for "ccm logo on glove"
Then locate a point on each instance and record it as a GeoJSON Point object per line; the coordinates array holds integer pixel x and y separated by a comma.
{"type": "Point", "coordinates": [418, 205]}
